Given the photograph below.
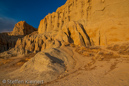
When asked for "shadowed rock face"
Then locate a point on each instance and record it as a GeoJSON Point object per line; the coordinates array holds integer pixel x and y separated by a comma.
{"type": "Point", "coordinates": [74, 32]}
{"type": "Point", "coordinates": [104, 21]}
{"type": "Point", "coordinates": [7, 41]}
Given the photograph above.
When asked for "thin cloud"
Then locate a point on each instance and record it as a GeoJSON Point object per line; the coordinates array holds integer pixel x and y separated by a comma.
{"type": "Point", "coordinates": [6, 24]}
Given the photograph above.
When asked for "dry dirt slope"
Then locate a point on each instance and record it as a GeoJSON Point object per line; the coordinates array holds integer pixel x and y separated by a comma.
{"type": "Point", "coordinates": [73, 66]}
{"type": "Point", "coordinates": [109, 67]}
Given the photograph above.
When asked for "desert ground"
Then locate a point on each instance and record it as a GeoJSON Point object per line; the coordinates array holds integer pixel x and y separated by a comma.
{"type": "Point", "coordinates": [85, 66]}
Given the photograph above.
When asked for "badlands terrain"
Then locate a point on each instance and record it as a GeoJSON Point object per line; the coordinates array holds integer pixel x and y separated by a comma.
{"type": "Point", "coordinates": [83, 43]}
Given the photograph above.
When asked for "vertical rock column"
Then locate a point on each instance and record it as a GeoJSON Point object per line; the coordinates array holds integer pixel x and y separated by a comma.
{"type": "Point", "coordinates": [49, 23]}
{"type": "Point", "coordinates": [56, 24]}
{"type": "Point", "coordinates": [61, 21]}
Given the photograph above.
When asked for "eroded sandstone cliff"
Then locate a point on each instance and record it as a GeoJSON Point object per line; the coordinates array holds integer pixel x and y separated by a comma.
{"type": "Point", "coordinates": [105, 21]}
{"type": "Point", "coordinates": [71, 33]}
{"type": "Point", "coordinates": [79, 22]}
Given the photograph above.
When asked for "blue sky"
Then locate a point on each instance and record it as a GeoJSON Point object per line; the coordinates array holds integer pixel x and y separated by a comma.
{"type": "Point", "coordinates": [31, 11]}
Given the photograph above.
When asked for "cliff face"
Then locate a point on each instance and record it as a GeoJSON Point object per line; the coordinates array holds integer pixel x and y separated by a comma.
{"type": "Point", "coordinates": [79, 22]}
{"type": "Point", "coordinates": [72, 10]}
{"type": "Point", "coordinates": [108, 21]}
{"type": "Point", "coordinates": [105, 21]}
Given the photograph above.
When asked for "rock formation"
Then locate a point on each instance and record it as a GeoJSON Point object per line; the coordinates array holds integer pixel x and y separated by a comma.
{"type": "Point", "coordinates": [64, 50]}
{"type": "Point", "coordinates": [22, 28]}
{"type": "Point", "coordinates": [48, 64]}
{"type": "Point", "coordinates": [104, 21]}
{"type": "Point", "coordinates": [92, 23]}
{"type": "Point", "coordinates": [80, 22]}
{"type": "Point", "coordinates": [8, 40]}
{"type": "Point", "coordinates": [34, 43]}
{"type": "Point", "coordinates": [73, 32]}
